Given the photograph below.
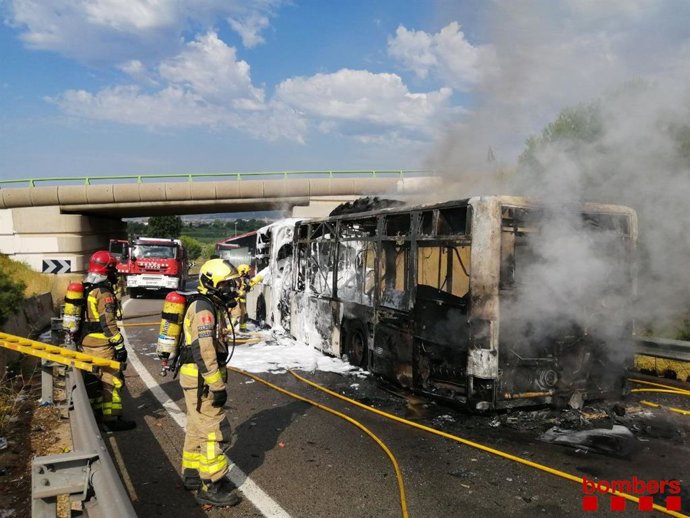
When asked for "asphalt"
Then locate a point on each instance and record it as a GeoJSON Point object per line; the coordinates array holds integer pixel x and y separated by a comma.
{"type": "Point", "coordinates": [309, 463]}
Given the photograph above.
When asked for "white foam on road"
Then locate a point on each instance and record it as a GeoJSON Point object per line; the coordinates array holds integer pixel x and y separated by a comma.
{"type": "Point", "coordinates": [276, 353]}
{"type": "Point", "coordinates": [264, 503]}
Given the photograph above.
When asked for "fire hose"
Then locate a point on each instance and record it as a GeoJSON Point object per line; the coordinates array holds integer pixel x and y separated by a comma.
{"type": "Point", "coordinates": [379, 442]}
{"type": "Point", "coordinates": [661, 388]}
{"type": "Point", "coordinates": [461, 440]}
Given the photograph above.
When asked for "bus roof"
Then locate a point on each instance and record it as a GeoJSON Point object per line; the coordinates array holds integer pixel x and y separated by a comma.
{"type": "Point", "coordinates": [509, 200]}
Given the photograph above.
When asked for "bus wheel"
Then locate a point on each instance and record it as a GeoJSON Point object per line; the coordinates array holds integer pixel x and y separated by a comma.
{"type": "Point", "coordinates": [261, 311]}
{"type": "Point", "coordinates": [356, 343]}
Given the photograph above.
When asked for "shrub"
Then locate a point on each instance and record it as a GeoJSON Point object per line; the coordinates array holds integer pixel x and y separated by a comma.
{"type": "Point", "coordinates": [11, 291]}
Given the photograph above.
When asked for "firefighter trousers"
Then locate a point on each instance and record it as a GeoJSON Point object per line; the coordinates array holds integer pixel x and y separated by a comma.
{"type": "Point", "coordinates": [208, 431]}
{"type": "Point", "coordinates": [103, 391]}
{"type": "Point", "coordinates": [239, 313]}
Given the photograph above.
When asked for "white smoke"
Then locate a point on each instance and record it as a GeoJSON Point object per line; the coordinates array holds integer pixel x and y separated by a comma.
{"type": "Point", "coordinates": [630, 61]}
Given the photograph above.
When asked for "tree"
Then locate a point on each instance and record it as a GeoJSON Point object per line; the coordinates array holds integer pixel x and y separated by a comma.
{"type": "Point", "coordinates": [167, 227]}
{"type": "Point", "coordinates": [573, 129]}
{"type": "Point", "coordinates": [11, 295]}
{"type": "Point", "coordinates": [193, 247]}
{"type": "Point", "coordinates": [134, 229]}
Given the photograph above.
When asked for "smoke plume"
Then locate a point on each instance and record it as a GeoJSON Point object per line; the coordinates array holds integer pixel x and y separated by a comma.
{"type": "Point", "coordinates": [627, 63]}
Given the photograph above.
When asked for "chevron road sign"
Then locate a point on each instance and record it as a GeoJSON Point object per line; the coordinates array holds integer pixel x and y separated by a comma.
{"type": "Point", "coordinates": [57, 266]}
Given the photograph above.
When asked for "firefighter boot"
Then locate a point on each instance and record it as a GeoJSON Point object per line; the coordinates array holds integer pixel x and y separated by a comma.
{"type": "Point", "coordinates": [220, 493]}
{"type": "Point", "coordinates": [191, 479]}
{"type": "Point", "coordinates": [118, 425]}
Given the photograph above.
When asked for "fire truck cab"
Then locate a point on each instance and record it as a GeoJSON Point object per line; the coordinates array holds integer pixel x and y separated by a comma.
{"type": "Point", "coordinates": [153, 264]}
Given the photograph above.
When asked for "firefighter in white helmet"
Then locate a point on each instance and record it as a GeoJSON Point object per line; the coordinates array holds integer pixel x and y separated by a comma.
{"type": "Point", "coordinates": [202, 378]}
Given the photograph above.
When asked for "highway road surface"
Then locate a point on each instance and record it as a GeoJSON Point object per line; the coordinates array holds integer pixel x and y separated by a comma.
{"type": "Point", "coordinates": [293, 459]}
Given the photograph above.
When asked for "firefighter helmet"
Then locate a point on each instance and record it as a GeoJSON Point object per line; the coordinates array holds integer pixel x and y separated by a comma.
{"type": "Point", "coordinates": [243, 269]}
{"type": "Point", "coordinates": [217, 277]}
{"type": "Point", "coordinates": [103, 263]}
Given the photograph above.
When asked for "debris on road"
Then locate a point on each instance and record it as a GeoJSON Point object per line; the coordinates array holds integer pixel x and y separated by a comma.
{"type": "Point", "coordinates": [618, 441]}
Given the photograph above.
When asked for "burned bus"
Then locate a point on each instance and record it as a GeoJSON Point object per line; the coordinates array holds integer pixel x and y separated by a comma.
{"type": "Point", "coordinates": [491, 301]}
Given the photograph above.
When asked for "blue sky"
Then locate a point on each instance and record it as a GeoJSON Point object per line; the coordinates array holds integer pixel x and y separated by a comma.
{"type": "Point", "coordinates": [96, 87]}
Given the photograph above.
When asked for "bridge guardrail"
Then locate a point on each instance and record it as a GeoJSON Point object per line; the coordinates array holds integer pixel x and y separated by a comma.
{"type": "Point", "coordinates": [190, 177]}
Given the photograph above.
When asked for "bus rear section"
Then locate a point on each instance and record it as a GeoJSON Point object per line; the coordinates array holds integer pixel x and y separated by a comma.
{"type": "Point", "coordinates": [566, 289]}
{"type": "Point", "coordinates": [463, 301]}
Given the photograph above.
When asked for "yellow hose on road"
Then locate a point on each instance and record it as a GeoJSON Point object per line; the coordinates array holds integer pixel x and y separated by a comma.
{"type": "Point", "coordinates": [396, 468]}
{"type": "Point", "coordinates": [487, 449]}
{"type": "Point", "coordinates": [670, 408]}
{"type": "Point", "coordinates": [666, 389]}
{"type": "Point", "coordinates": [661, 385]}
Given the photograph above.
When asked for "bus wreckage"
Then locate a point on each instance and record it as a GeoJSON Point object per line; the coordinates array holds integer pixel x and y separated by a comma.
{"type": "Point", "coordinates": [491, 301]}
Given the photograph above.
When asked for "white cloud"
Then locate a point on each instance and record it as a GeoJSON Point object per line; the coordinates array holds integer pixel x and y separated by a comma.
{"type": "Point", "coordinates": [249, 28]}
{"type": "Point", "coordinates": [170, 107]}
{"type": "Point", "coordinates": [210, 68]}
{"type": "Point", "coordinates": [365, 97]}
{"type": "Point", "coordinates": [138, 71]}
{"type": "Point", "coordinates": [105, 31]}
{"type": "Point", "coordinates": [446, 54]}
{"type": "Point", "coordinates": [205, 85]}
{"type": "Point", "coordinates": [132, 15]}
{"type": "Point", "coordinates": [176, 107]}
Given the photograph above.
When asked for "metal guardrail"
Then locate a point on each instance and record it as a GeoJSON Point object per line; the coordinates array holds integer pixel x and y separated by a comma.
{"type": "Point", "coordinates": [666, 348]}
{"type": "Point", "coordinates": [190, 177]}
{"type": "Point", "coordinates": [87, 473]}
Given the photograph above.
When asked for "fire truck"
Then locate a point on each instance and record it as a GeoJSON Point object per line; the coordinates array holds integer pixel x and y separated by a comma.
{"type": "Point", "coordinates": [151, 264]}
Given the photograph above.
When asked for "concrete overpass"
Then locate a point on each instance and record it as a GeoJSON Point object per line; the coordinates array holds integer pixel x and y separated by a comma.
{"type": "Point", "coordinates": [52, 222]}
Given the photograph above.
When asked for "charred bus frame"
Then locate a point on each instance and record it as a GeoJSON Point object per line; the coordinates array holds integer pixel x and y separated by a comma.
{"type": "Point", "coordinates": [414, 295]}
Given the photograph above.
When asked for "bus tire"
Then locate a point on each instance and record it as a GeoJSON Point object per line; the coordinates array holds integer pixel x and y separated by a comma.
{"type": "Point", "coordinates": [356, 343]}
{"type": "Point", "coordinates": [261, 311]}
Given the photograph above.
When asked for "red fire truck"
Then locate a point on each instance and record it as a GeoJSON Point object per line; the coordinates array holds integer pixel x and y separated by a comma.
{"type": "Point", "coordinates": [151, 264]}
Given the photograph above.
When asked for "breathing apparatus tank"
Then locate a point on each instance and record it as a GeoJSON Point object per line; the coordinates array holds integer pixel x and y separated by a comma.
{"type": "Point", "coordinates": [74, 304]}
{"type": "Point", "coordinates": [170, 329]}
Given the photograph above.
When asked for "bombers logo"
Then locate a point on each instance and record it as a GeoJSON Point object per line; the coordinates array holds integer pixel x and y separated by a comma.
{"type": "Point", "coordinates": [642, 489]}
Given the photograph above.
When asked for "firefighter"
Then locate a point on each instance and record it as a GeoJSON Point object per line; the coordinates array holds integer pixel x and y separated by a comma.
{"type": "Point", "coordinates": [246, 284]}
{"type": "Point", "coordinates": [202, 378]}
{"type": "Point", "coordinates": [101, 337]}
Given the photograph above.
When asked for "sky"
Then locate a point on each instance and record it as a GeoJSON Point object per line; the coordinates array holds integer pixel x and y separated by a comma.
{"type": "Point", "coordinates": [101, 87]}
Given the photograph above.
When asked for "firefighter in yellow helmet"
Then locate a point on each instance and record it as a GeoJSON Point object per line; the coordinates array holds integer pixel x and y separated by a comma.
{"type": "Point", "coordinates": [246, 283]}
{"type": "Point", "coordinates": [202, 378]}
{"type": "Point", "coordinates": [101, 337]}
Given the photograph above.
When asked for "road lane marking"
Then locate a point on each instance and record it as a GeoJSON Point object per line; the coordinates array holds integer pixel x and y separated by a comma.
{"type": "Point", "coordinates": [264, 503]}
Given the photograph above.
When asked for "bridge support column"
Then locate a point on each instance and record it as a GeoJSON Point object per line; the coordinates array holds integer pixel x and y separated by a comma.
{"type": "Point", "coordinates": [37, 234]}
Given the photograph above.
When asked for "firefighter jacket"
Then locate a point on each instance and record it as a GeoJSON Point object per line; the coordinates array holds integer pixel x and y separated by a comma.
{"type": "Point", "coordinates": [100, 317]}
{"type": "Point", "coordinates": [205, 351]}
{"type": "Point", "coordinates": [247, 284]}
